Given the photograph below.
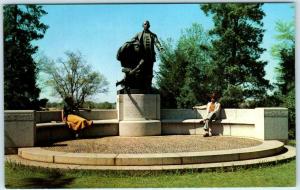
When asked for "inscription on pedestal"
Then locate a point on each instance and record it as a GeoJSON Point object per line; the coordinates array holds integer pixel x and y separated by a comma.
{"type": "Point", "coordinates": [19, 116]}
{"type": "Point", "coordinates": [19, 128]}
{"type": "Point", "coordinates": [276, 113]}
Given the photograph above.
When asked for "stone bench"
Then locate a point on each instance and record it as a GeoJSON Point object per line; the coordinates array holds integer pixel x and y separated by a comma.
{"type": "Point", "coordinates": [57, 130]}
{"type": "Point", "coordinates": [259, 123]}
{"type": "Point", "coordinates": [197, 121]}
{"type": "Point", "coordinates": [193, 126]}
{"type": "Point", "coordinates": [59, 123]}
{"type": "Point", "coordinates": [50, 128]}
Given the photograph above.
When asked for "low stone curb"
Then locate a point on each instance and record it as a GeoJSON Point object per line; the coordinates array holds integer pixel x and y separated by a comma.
{"type": "Point", "coordinates": [289, 154]}
{"type": "Point", "coordinates": [267, 148]}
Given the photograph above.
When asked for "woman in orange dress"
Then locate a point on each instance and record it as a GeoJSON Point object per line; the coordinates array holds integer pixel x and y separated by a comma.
{"type": "Point", "coordinates": [70, 116]}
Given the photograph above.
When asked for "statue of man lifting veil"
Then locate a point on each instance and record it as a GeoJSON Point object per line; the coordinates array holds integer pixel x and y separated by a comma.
{"type": "Point", "coordinates": [137, 58]}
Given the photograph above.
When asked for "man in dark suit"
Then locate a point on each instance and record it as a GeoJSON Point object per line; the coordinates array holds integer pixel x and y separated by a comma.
{"type": "Point", "coordinates": [147, 40]}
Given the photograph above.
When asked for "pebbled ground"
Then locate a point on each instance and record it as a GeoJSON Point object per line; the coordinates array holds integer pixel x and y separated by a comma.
{"type": "Point", "coordinates": [152, 144]}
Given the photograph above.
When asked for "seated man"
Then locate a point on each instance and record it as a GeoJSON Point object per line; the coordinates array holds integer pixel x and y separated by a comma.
{"type": "Point", "coordinates": [213, 109]}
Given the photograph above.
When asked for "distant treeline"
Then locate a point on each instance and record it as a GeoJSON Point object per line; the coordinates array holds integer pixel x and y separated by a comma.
{"type": "Point", "coordinates": [87, 104]}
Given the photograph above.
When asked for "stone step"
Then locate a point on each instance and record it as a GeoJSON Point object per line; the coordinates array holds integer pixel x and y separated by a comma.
{"type": "Point", "coordinates": [288, 153]}
{"type": "Point", "coordinates": [266, 149]}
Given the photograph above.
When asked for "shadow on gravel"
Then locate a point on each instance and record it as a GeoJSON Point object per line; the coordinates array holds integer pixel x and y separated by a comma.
{"type": "Point", "coordinates": [53, 180]}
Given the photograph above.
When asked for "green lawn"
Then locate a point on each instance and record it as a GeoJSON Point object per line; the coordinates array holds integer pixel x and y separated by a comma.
{"type": "Point", "coordinates": [292, 143]}
{"type": "Point", "coordinates": [279, 175]}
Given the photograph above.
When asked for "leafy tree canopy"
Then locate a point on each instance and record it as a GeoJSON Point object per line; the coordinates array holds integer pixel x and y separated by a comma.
{"type": "Point", "coordinates": [183, 69]}
{"type": "Point", "coordinates": [73, 77]}
{"type": "Point", "coordinates": [285, 36]}
{"type": "Point", "coordinates": [22, 26]}
{"type": "Point", "coordinates": [236, 51]}
{"type": "Point", "coordinates": [284, 52]}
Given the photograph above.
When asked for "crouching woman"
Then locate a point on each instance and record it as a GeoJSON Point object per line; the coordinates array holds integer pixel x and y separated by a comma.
{"type": "Point", "coordinates": [70, 115]}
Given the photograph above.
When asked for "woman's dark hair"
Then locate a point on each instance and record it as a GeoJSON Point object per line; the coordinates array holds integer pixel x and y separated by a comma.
{"type": "Point", "coordinates": [69, 100]}
{"type": "Point", "coordinates": [214, 96]}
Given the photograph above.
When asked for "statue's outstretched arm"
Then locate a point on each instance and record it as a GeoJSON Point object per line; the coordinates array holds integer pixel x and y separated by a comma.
{"type": "Point", "coordinates": [157, 44]}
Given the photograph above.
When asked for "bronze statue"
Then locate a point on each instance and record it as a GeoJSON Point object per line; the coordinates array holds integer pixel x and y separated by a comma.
{"type": "Point", "coordinates": [137, 58]}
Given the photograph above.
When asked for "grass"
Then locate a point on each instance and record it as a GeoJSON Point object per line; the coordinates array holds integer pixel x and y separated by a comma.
{"type": "Point", "coordinates": [267, 175]}
{"type": "Point", "coordinates": [281, 174]}
{"type": "Point", "coordinates": [292, 142]}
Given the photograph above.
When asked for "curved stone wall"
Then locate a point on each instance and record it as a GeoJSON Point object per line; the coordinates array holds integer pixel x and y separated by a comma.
{"type": "Point", "coordinates": [27, 127]}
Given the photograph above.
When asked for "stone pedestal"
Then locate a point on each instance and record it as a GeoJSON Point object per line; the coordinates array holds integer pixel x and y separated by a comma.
{"type": "Point", "coordinates": [272, 124]}
{"type": "Point", "coordinates": [139, 114]}
{"type": "Point", "coordinates": [19, 128]}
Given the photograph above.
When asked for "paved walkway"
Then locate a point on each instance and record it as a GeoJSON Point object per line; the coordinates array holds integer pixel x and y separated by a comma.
{"type": "Point", "coordinates": [153, 144]}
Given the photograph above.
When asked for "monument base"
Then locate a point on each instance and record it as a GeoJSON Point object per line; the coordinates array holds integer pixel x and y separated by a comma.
{"type": "Point", "coordinates": [139, 114]}
{"type": "Point", "coordinates": [139, 128]}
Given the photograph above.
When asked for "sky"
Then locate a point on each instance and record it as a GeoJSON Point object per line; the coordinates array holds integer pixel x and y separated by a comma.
{"type": "Point", "coordinates": [98, 30]}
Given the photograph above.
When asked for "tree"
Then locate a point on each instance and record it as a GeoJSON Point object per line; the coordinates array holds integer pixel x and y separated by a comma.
{"type": "Point", "coordinates": [21, 27]}
{"type": "Point", "coordinates": [285, 36]}
{"type": "Point", "coordinates": [101, 105]}
{"type": "Point", "coordinates": [237, 35]}
{"type": "Point", "coordinates": [170, 74]}
{"type": "Point", "coordinates": [231, 95]}
{"type": "Point", "coordinates": [182, 72]}
{"type": "Point", "coordinates": [284, 52]}
{"type": "Point", "coordinates": [73, 77]}
{"type": "Point", "coordinates": [289, 101]}
{"type": "Point", "coordinates": [286, 71]}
